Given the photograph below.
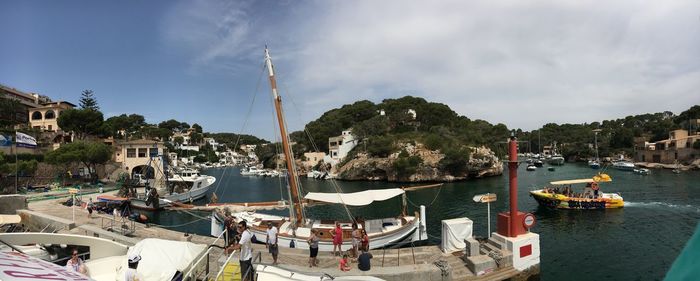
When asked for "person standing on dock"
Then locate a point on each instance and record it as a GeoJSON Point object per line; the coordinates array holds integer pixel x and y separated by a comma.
{"type": "Point", "coordinates": [230, 226]}
{"type": "Point", "coordinates": [313, 247]}
{"type": "Point", "coordinates": [246, 255]}
{"type": "Point", "coordinates": [356, 236]}
{"type": "Point", "coordinates": [272, 241]}
{"type": "Point", "coordinates": [90, 206]}
{"type": "Point", "coordinates": [337, 235]}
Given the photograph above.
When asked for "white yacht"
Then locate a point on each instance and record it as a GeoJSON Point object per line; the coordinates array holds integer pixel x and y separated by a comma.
{"type": "Point", "coordinates": [251, 171]}
{"type": "Point", "coordinates": [183, 186]}
{"type": "Point", "coordinates": [556, 159]}
{"type": "Point", "coordinates": [623, 165]}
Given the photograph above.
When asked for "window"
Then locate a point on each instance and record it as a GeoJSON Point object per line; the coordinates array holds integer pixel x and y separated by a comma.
{"type": "Point", "coordinates": [130, 152]}
{"type": "Point", "coordinates": [153, 152]}
{"type": "Point", "coordinates": [142, 152]}
{"type": "Point", "coordinates": [50, 115]}
{"type": "Point", "coordinates": [36, 115]}
{"type": "Point", "coordinates": [50, 128]}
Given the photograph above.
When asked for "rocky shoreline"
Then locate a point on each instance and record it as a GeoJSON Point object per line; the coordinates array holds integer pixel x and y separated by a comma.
{"type": "Point", "coordinates": [482, 163]}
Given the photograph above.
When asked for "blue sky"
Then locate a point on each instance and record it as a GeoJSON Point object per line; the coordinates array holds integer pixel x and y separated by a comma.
{"type": "Point", "coordinates": [512, 62]}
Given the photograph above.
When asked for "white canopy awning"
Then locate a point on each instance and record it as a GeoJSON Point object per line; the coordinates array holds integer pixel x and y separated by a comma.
{"type": "Point", "coordinates": [361, 198]}
{"type": "Point", "coordinates": [597, 178]}
{"type": "Point", "coordinates": [571, 181]}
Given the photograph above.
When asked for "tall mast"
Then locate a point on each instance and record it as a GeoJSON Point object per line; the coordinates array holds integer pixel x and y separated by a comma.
{"type": "Point", "coordinates": [595, 142]}
{"type": "Point", "coordinates": [293, 184]}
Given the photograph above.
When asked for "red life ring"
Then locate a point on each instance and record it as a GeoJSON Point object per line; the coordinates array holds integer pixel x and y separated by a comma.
{"type": "Point", "coordinates": [594, 186]}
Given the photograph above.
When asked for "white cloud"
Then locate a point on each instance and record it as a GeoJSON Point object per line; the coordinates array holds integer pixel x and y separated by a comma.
{"type": "Point", "coordinates": [521, 63]}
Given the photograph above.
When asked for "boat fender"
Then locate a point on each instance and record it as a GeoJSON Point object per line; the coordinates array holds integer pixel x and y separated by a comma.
{"type": "Point", "coordinates": [143, 218]}
{"type": "Point", "coordinates": [291, 244]}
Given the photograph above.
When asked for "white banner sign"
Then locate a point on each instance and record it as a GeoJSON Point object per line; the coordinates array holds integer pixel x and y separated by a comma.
{"type": "Point", "coordinates": [25, 140]}
{"type": "Point", "coordinates": [17, 266]}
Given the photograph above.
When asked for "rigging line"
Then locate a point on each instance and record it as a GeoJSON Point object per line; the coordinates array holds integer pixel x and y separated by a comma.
{"type": "Point", "coordinates": [194, 215]}
{"type": "Point", "coordinates": [250, 107]}
{"type": "Point", "coordinates": [176, 225]}
{"type": "Point", "coordinates": [298, 112]}
{"type": "Point", "coordinates": [431, 203]}
{"type": "Point", "coordinates": [335, 185]}
{"type": "Point", "coordinates": [245, 123]}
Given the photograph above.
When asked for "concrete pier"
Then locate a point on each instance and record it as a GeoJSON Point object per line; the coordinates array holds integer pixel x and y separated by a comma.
{"type": "Point", "coordinates": [404, 264]}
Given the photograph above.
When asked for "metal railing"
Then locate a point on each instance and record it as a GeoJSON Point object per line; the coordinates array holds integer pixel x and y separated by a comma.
{"type": "Point", "coordinates": [193, 273]}
{"type": "Point", "coordinates": [398, 252]}
{"type": "Point", "coordinates": [221, 270]}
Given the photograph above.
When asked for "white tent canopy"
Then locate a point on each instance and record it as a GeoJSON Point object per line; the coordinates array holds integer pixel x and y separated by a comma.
{"type": "Point", "coordinates": [160, 259]}
{"type": "Point", "coordinates": [361, 198]}
{"type": "Point", "coordinates": [454, 232]}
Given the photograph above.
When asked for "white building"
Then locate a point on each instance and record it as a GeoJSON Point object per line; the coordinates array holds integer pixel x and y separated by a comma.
{"type": "Point", "coordinates": [189, 147]}
{"type": "Point", "coordinates": [212, 142]}
{"type": "Point", "coordinates": [340, 146]}
{"type": "Point", "coordinates": [185, 137]}
{"type": "Point", "coordinates": [412, 113]}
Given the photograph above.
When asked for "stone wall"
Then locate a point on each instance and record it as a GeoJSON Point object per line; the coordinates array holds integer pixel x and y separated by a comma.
{"type": "Point", "coordinates": [9, 204]}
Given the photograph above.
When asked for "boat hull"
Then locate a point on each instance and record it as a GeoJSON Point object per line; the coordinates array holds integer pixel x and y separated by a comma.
{"type": "Point", "coordinates": [559, 201]}
{"type": "Point", "coordinates": [558, 161]}
{"type": "Point", "coordinates": [189, 196]}
{"type": "Point", "coordinates": [406, 233]}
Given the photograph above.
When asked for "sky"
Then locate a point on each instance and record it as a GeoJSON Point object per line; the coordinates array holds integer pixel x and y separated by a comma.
{"type": "Point", "coordinates": [520, 63]}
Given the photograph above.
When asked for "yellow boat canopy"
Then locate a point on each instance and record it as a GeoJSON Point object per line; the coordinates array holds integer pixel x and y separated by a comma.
{"type": "Point", "coordinates": [596, 178]}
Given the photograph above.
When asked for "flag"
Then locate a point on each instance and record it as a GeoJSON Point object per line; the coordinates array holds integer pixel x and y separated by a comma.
{"type": "Point", "coordinates": [24, 140]}
{"type": "Point", "coordinates": [5, 140]}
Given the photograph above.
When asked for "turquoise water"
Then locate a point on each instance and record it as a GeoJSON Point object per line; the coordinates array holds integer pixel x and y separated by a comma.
{"type": "Point", "coordinates": [638, 242]}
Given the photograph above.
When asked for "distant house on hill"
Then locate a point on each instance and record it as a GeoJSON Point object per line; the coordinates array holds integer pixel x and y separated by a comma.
{"type": "Point", "coordinates": [340, 146]}
{"type": "Point", "coordinates": [678, 147]}
{"type": "Point", "coordinates": [312, 158]}
{"type": "Point", "coordinates": [38, 112]}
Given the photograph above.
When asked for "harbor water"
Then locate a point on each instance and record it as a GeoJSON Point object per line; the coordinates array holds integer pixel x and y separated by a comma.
{"type": "Point", "coordinates": [637, 242]}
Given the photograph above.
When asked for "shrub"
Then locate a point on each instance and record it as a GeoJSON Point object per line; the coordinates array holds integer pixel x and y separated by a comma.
{"type": "Point", "coordinates": [455, 161]}
{"type": "Point", "coordinates": [380, 146]}
{"type": "Point", "coordinates": [406, 166]}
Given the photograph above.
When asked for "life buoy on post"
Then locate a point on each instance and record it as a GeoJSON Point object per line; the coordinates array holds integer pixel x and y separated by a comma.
{"type": "Point", "coordinates": [594, 186]}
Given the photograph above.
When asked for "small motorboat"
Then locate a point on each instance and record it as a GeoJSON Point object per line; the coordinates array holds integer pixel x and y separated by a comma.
{"type": "Point", "coordinates": [560, 195]}
{"type": "Point", "coordinates": [531, 167]}
{"type": "Point", "coordinates": [642, 171]}
{"type": "Point", "coordinates": [551, 169]}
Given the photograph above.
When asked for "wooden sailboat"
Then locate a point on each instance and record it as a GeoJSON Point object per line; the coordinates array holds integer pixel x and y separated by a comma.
{"type": "Point", "coordinates": [296, 229]}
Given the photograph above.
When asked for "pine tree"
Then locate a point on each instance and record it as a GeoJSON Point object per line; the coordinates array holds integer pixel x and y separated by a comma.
{"type": "Point", "coordinates": [87, 101]}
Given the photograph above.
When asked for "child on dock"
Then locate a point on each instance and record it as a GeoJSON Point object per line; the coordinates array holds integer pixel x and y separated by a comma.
{"type": "Point", "coordinates": [344, 266]}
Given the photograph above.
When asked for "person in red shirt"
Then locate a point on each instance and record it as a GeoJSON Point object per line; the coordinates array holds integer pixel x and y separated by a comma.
{"type": "Point", "coordinates": [337, 234]}
{"type": "Point", "coordinates": [344, 264]}
{"type": "Point", "coordinates": [365, 240]}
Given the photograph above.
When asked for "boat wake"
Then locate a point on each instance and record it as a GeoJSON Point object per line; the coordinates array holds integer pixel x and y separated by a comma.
{"type": "Point", "coordinates": [663, 205]}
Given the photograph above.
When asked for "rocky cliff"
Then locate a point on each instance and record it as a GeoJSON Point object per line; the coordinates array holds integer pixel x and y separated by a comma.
{"type": "Point", "coordinates": [482, 163]}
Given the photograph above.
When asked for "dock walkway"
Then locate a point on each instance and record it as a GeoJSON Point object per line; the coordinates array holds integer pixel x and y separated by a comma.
{"type": "Point", "coordinates": [389, 264]}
